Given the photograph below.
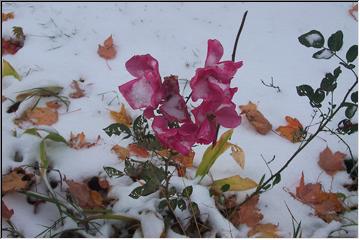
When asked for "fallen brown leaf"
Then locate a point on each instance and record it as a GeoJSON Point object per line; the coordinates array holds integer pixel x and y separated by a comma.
{"type": "Point", "coordinates": [138, 151]}
{"type": "Point", "coordinates": [122, 116]}
{"type": "Point", "coordinates": [78, 141]}
{"type": "Point", "coordinates": [121, 152]}
{"type": "Point", "coordinates": [54, 104]}
{"type": "Point", "coordinates": [107, 51]}
{"type": "Point", "coordinates": [7, 16]}
{"type": "Point", "coordinates": [330, 162]}
{"type": "Point", "coordinates": [85, 197]}
{"type": "Point", "coordinates": [78, 91]}
{"type": "Point", "coordinates": [293, 131]}
{"type": "Point", "coordinates": [267, 230]}
{"type": "Point", "coordinates": [16, 180]}
{"type": "Point", "coordinates": [248, 213]}
{"type": "Point", "coordinates": [42, 116]}
{"type": "Point", "coordinates": [256, 118]}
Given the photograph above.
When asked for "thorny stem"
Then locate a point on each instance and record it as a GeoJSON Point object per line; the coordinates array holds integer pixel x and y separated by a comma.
{"type": "Point", "coordinates": [232, 59]}
{"type": "Point", "coordinates": [321, 127]}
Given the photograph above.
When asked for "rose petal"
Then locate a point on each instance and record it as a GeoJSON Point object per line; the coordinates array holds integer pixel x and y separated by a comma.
{"type": "Point", "coordinates": [175, 109]}
{"type": "Point", "coordinates": [214, 53]}
{"type": "Point", "coordinates": [139, 64]}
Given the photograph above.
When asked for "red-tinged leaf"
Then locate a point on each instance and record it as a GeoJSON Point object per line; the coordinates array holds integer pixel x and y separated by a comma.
{"type": "Point", "coordinates": [78, 141]}
{"type": "Point", "coordinates": [10, 46]}
{"type": "Point", "coordinates": [138, 151]}
{"type": "Point", "coordinates": [248, 213]}
{"type": "Point", "coordinates": [5, 211]}
{"type": "Point", "coordinates": [293, 131]}
{"type": "Point", "coordinates": [331, 162]}
{"type": "Point", "coordinates": [78, 92]}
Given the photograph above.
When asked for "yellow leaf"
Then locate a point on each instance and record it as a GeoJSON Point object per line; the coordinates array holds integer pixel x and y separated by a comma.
{"type": "Point", "coordinates": [212, 153]}
{"type": "Point", "coordinates": [8, 70]}
{"type": "Point", "coordinates": [267, 230]}
{"type": "Point", "coordinates": [236, 183]}
{"type": "Point", "coordinates": [122, 116]}
{"type": "Point", "coordinates": [238, 155]}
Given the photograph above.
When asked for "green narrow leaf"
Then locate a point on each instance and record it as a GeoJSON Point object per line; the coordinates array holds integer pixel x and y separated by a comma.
{"type": "Point", "coordinates": [56, 137]}
{"type": "Point", "coordinates": [113, 172]}
{"type": "Point", "coordinates": [277, 179]}
{"type": "Point", "coordinates": [44, 163]}
{"type": "Point", "coordinates": [335, 41]}
{"type": "Point", "coordinates": [354, 97]}
{"type": "Point", "coordinates": [323, 54]}
{"type": "Point", "coordinates": [8, 70]}
{"type": "Point", "coordinates": [187, 191]}
{"type": "Point", "coordinates": [32, 131]}
{"type": "Point", "coordinates": [352, 53]}
{"type": "Point", "coordinates": [212, 153]}
{"type": "Point", "coordinates": [118, 129]}
{"type": "Point", "coordinates": [313, 39]}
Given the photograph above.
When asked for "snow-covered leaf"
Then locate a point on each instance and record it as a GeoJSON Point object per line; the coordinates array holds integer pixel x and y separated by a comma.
{"type": "Point", "coordinates": [323, 54]}
{"type": "Point", "coordinates": [313, 39]}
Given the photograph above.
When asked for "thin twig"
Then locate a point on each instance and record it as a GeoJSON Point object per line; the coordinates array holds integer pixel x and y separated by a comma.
{"type": "Point", "coordinates": [271, 85]}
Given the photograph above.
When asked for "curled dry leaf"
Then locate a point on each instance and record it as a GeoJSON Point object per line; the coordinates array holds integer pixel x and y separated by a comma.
{"type": "Point", "coordinates": [54, 104]}
{"type": "Point", "coordinates": [122, 116]}
{"type": "Point", "coordinates": [5, 211]}
{"type": "Point", "coordinates": [78, 93]}
{"type": "Point", "coordinates": [42, 116]}
{"type": "Point", "coordinates": [78, 141]}
{"type": "Point", "coordinates": [256, 118]}
{"type": "Point", "coordinates": [7, 16]}
{"type": "Point", "coordinates": [238, 155]}
{"type": "Point", "coordinates": [184, 160]}
{"type": "Point", "coordinates": [138, 151]}
{"type": "Point", "coordinates": [267, 230]}
{"type": "Point", "coordinates": [16, 180]}
{"type": "Point", "coordinates": [107, 51]}
{"type": "Point", "coordinates": [293, 131]}
{"type": "Point", "coordinates": [327, 205]}
{"type": "Point", "coordinates": [248, 213]}
{"type": "Point", "coordinates": [85, 197]}
{"type": "Point", "coordinates": [121, 152]}
{"type": "Point", "coordinates": [331, 162]}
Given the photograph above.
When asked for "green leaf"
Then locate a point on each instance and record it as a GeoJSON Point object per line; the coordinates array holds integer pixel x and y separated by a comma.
{"type": "Point", "coordinates": [305, 90]}
{"type": "Point", "coordinates": [335, 41]}
{"type": "Point", "coordinates": [8, 70]}
{"type": "Point", "coordinates": [113, 172]}
{"type": "Point", "coordinates": [44, 163]}
{"type": "Point", "coordinates": [350, 111]}
{"type": "Point", "coordinates": [267, 187]}
{"type": "Point", "coordinates": [212, 153]}
{"type": "Point", "coordinates": [118, 129]}
{"type": "Point", "coordinates": [19, 33]}
{"type": "Point", "coordinates": [337, 72]}
{"type": "Point", "coordinates": [173, 203]}
{"type": "Point", "coordinates": [136, 193]}
{"type": "Point", "coordinates": [277, 179]}
{"type": "Point", "coordinates": [312, 39]}
{"type": "Point", "coordinates": [162, 204]}
{"type": "Point", "coordinates": [352, 53]}
{"type": "Point", "coordinates": [194, 209]}
{"type": "Point", "coordinates": [323, 54]}
{"type": "Point", "coordinates": [317, 98]}
{"type": "Point", "coordinates": [187, 191]}
{"type": "Point", "coordinates": [181, 204]}
{"type": "Point", "coordinates": [354, 97]}
{"type": "Point", "coordinates": [56, 137]}
{"type": "Point", "coordinates": [236, 183]}
{"type": "Point", "coordinates": [225, 187]}
{"type": "Point", "coordinates": [143, 136]}
{"type": "Point", "coordinates": [32, 131]}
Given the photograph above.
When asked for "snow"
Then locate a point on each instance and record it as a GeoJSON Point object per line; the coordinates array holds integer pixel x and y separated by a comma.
{"type": "Point", "coordinates": [311, 38]}
{"type": "Point", "coordinates": [61, 46]}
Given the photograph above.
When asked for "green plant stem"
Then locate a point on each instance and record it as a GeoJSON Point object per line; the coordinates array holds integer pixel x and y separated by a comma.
{"type": "Point", "coordinates": [321, 127]}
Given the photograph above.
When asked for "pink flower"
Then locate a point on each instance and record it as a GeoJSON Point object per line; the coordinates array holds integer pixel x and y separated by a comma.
{"type": "Point", "coordinates": [145, 89]}
{"type": "Point", "coordinates": [209, 114]}
{"type": "Point", "coordinates": [213, 81]}
{"type": "Point", "coordinates": [179, 139]}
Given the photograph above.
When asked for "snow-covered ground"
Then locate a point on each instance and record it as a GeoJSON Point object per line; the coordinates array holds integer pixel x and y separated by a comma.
{"type": "Point", "coordinates": [176, 35]}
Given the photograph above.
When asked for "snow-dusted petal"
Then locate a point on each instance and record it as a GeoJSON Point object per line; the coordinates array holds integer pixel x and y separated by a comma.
{"type": "Point", "coordinates": [175, 109]}
{"type": "Point", "coordinates": [138, 93]}
{"type": "Point", "coordinates": [139, 64]}
{"type": "Point", "coordinates": [227, 117]}
{"type": "Point", "coordinates": [214, 53]}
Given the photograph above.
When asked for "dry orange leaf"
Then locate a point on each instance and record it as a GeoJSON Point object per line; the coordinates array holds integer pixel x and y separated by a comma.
{"type": "Point", "coordinates": [327, 205]}
{"type": "Point", "coordinates": [122, 116]}
{"type": "Point", "coordinates": [7, 16]}
{"type": "Point", "coordinates": [107, 51]}
{"type": "Point", "coordinates": [53, 104]}
{"type": "Point", "coordinates": [331, 163]}
{"type": "Point", "coordinates": [138, 151]}
{"type": "Point", "coordinates": [293, 131]}
{"type": "Point", "coordinates": [185, 160]}
{"type": "Point", "coordinates": [267, 230]}
{"type": "Point", "coordinates": [121, 152]}
{"type": "Point", "coordinates": [256, 118]}
{"type": "Point", "coordinates": [16, 180]}
{"type": "Point", "coordinates": [78, 141]}
{"type": "Point", "coordinates": [5, 211]}
{"type": "Point", "coordinates": [248, 213]}
{"type": "Point", "coordinates": [104, 184]}
{"type": "Point", "coordinates": [85, 197]}
{"type": "Point", "coordinates": [42, 116]}
{"type": "Point", "coordinates": [78, 91]}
